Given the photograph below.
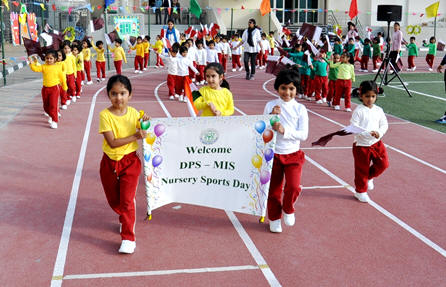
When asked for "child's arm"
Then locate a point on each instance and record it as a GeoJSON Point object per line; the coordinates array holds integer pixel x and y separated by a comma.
{"type": "Point", "coordinates": [383, 127]}
{"type": "Point", "coordinates": [63, 80]}
{"type": "Point", "coordinates": [191, 66]}
{"type": "Point", "coordinates": [352, 72]}
{"type": "Point", "coordinates": [229, 109]}
{"type": "Point", "coordinates": [114, 142]}
{"type": "Point", "coordinates": [35, 67]}
{"type": "Point", "coordinates": [123, 56]}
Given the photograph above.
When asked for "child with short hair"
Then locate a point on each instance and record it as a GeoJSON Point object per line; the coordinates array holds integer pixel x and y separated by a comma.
{"type": "Point", "coordinates": [146, 44]}
{"type": "Point", "coordinates": [100, 60]}
{"type": "Point", "coordinates": [86, 53]}
{"type": "Point", "coordinates": [264, 50]}
{"type": "Point", "coordinates": [139, 58]}
{"type": "Point", "coordinates": [120, 165]}
{"type": "Point", "coordinates": [430, 57]}
{"type": "Point", "coordinates": [337, 47]}
{"type": "Point", "coordinates": [320, 78]}
{"type": "Point", "coordinates": [70, 62]}
{"type": "Point", "coordinates": [118, 55]}
{"type": "Point", "coordinates": [212, 53]}
{"type": "Point", "coordinates": [158, 47]}
{"type": "Point", "coordinates": [305, 72]}
{"type": "Point", "coordinates": [288, 157]}
{"type": "Point", "coordinates": [184, 64]}
{"type": "Point", "coordinates": [271, 42]}
{"type": "Point", "coordinates": [216, 98]}
{"type": "Point", "coordinates": [346, 75]}
{"type": "Point", "coordinates": [225, 52]}
{"type": "Point", "coordinates": [376, 58]}
{"type": "Point", "coordinates": [332, 77]}
{"type": "Point", "coordinates": [350, 47]}
{"type": "Point", "coordinates": [236, 53]}
{"type": "Point", "coordinates": [172, 70]}
{"type": "Point", "coordinates": [63, 66]}
{"type": "Point", "coordinates": [368, 147]}
{"type": "Point", "coordinates": [201, 54]}
{"type": "Point", "coordinates": [218, 48]}
{"type": "Point", "coordinates": [79, 70]}
{"type": "Point", "coordinates": [366, 55]}
{"type": "Point", "coordinates": [52, 78]}
{"type": "Point", "coordinates": [192, 56]}
{"type": "Point", "coordinates": [413, 52]}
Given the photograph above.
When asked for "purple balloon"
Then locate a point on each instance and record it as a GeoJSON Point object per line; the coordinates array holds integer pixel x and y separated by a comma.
{"type": "Point", "coordinates": [269, 154]}
{"type": "Point", "coordinates": [264, 176]}
{"type": "Point", "coordinates": [157, 160]}
{"type": "Point", "coordinates": [159, 129]}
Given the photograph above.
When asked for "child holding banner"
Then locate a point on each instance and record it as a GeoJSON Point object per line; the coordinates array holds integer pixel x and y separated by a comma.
{"type": "Point", "coordinates": [216, 99]}
{"type": "Point", "coordinates": [288, 158]}
{"type": "Point", "coordinates": [120, 165]}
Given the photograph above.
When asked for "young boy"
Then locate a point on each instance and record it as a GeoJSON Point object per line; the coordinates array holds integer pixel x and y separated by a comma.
{"type": "Point", "coordinates": [158, 47]}
{"type": "Point", "coordinates": [184, 64]}
{"type": "Point", "coordinates": [146, 44]}
{"type": "Point", "coordinates": [271, 42]}
{"type": "Point", "coordinates": [413, 52]}
{"type": "Point", "coordinates": [172, 70]}
{"type": "Point", "coordinates": [201, 54]}
{"type": "Point", "coordinates": [118, 56]}
{"type": "Point", "coordinates": [376, 58]}
{"type": "Point", "coordinates": [225, 51]}
{"type": "Point", "coordinates": [366, 55]}
{"type": "Point", "coordinates": [236, 53]}
{"type": "Point", "coordinates": [265, 50]}
{"type": "Point", "coordinates": [320, 78]}
{"type": "Point", "coordinates": [139, 58]}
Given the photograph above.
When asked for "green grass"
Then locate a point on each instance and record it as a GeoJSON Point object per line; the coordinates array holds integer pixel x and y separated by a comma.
{"type": "Point", "coordinates": [419, 109]}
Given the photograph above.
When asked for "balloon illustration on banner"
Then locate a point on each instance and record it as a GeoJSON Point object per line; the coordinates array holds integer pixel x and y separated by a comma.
{"type": "Point", "coordinates": [264, 176]}
{"type": "Point", "coordinates": [256, 161]}
{"type": "Point", "coordinates": [269, 154]}
{"type": "Point", "coordinates": [274, 120]}
{"type": "Point", "coordinates": [267, 136]}
{"type": "Point", "coordinates": [159, 129]}
{"type": "Point", "coordinates": [149, 177]}
{"type": "Point", "coordinates": [150, 139]}
{"type": "Point", "coordinates": [157, 160]}
{"type": "Point", "coordinates": [145, 125]}
{"type": "Point", "coordinates": [147, 156]}
{"type": "Point", "coordinates": [260, 126]}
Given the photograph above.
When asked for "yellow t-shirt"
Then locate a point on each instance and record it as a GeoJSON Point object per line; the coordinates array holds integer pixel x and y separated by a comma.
{"type": "Point", "coordinates": [222, 100]}
{"type": "Point", "coordinates": [139, 49]}
{"type": "Point", "coordinates": [159, 46]}
{"type": "Point", "coordinates": [80, 62]}
{"type": "Point", "coordinates": [52, 74]}
{"type": "Point", "coordinates": [122, 127]}
{"type": "Point", "coordinates": [86, 52]}
{"type": "Point", "coordinates": [101, 53]}
{"type": "Point", "coordinates": [70, 62]}
{"type": "Point", "coordinates": [146, 47]}
{"type": "Point", "coordinates": [118, 54]}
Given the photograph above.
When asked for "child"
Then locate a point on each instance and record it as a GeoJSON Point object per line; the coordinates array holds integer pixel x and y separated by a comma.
{"type": "Point", "coordinates": [216, 99]}
{"type": "Point", "coordinates": [86, 53]}
{"type": "Point", "coordinates": [376, 54]}
{"type": "Point", "coordinates": [182, 38]}
{"type": "Point", "coordinates": [139, 58]}
{"type": "Point", "coordinates": [158, 47]}
{"type": "Point", "coordinates": [212, 53]}
{"type": "Point", "coordinates": [332, 77]}
{"type": "Point", "coordinates": [264, 51]}
{"type": "Point", "coordinates": [346, 75]}
{"type": "Point", "coordinates": [350, 47]}
{"type": "Point", "coordinates": [236, 53]}
{"type": "Point", "coordinates": [172, 70]}
{"type": "Point", "coordinates": [413, 52]}
{"type": "Point", "coordinates": [79, 70]}
{"type": "Point", "coordinates": [368, 146]}
{"type": "Point", "coordinates": [192, 56]}
{"type": "Point", "coordinates": [225, 52]}
{"type": "Point", "coordinates": [320, 78]}
{"type": "Point", "coordinates": [118, 55]}
{"type": "Point", "coordinates": [52, 78]}
{"type": "Point", "coordinates": [271, 42]}
{"type": "Point", "coordinates": [288, 158]}
{"type": "Point", "coordinates": [201, 61]}
{"type": "Point", "coordinates": [366, 55]}
{"type": "Point", "coordinates": [184, 64]}
{"type": "Point", "coordinates": [70, 62]}
{"type": "Point", "coordinates": [430, 57]}
{"type": "Point", "coordinates": [218, 48]}
{"type": "Point", "coordinates": [63, 66]}
{"type": "Point", "coordinates": [146, 44]}
{"type": "Point", "coordinates": [305, 72]}
{"type": "Point", "coordinates": [120, 165]}
{"type": "Point", "coordinates": [100, 60]}
{"type": "Point", "coordinates": [337, 47]}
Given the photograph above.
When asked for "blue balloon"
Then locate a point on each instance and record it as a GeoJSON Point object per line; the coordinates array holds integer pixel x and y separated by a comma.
{"type": "Point", "coordinates": [156, 161]}
{"type": "Point", "coordinates": [147, 156]}
{"type": "Point", "coordinates": [260, 126]}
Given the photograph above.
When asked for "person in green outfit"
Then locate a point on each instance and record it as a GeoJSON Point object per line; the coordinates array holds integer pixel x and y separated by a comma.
{"type": "Point", "coordinates": [413, 52]}
{"type": "Point", "coordinates": [376, 56]}
{"type": "Point", "coordinates": [366, 55]}
{"type": "Point", "coordinates": [430, 57]}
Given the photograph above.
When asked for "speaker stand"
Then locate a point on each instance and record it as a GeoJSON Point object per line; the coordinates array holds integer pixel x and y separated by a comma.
{"type": "Point", "coordinates": [388, 64]}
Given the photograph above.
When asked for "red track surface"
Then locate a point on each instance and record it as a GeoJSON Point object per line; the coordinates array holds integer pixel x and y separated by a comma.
{"type": "Point", "coordinates": [336, 241]}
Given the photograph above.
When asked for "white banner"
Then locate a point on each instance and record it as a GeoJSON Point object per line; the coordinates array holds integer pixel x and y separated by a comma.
{"type": "Point", "coordinates": [218, 162]}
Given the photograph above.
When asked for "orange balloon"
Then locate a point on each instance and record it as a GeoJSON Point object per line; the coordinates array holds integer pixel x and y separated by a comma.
{"type": "Point", "coordinates": [267, 136]}
{"type": "Point", "coordinates": [150, 139]}
{"type": "Point", "coordinates": [149, 178]}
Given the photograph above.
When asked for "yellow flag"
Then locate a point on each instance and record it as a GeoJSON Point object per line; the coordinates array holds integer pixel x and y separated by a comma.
{"type": "Point", "coordinates": [43, 6]}
{"type": "Point", "coordinates": [5, 2]}
{"type": "Point", "coordinates": [432, 10]}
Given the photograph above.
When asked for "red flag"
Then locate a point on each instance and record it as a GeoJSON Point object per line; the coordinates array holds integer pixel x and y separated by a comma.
{"type": "Point", "coordinates": [265, 7]}
{"type": "Point", "coordinates": [166, 43]}
{"type": "Point", "coordinates": [286, 31]}
{"type": "Point", "coordinates": [353, 12]}
{"type": "Point", "coordinates": [192, 33]}
{"type": "Point", "coordinates": [162, 33]}
{"type": "Point", "coordinates": [189, 87]}
{"type": "Point", "coordinates": [188, 30]}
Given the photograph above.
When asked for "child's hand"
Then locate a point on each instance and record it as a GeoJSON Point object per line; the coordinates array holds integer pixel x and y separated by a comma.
{"type": "Point", "coordinates": [374, 134]}
{"type": "Point", "coordinates": [278, 127]}
{"type": "Point", "coordinates": [276, 110]}
{"type": "Point", "coordinates": [146, 117]}
{"type": "Point", "coordinates": [439, 69]}
{"type": "Point", "coordinates": [140, 134]}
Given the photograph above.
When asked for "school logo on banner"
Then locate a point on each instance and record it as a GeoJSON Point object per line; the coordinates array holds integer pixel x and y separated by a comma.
{"type": "Point", "coordinates": [218, 162]}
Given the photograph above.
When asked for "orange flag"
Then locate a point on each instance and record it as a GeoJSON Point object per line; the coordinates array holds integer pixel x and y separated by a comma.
{"type": "Point", "coordinates": [188, 93]}
{"type": "Point", "coordinates": [265, 7]}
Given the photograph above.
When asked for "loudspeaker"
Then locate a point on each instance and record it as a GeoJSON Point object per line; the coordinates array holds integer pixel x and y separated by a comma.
{"type": "Point", "coordinates": [389, 13]}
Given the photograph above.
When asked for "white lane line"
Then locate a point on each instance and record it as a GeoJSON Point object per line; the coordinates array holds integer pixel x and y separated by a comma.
{"type": "Point", "coordinates": [255, 253]}
{"type": "Point", "coordinates": [419, 93]}
{"type": "Point", "coordinates": [421, 82]}
{"type": "Point", "coordinates": [59, 265]}
{"type": "Point", "coordinates": [388, 146]}
{"type": "Point", "coordinates": [382, 210]}
{"type": "Point", "coordinates": [160, 272]}
{"type": "Point", "coordinates": [160, 101]}
{"type": "Point", "coordinates": [326, 147]}
{"type": "Point", "coordinates": [325, 186]}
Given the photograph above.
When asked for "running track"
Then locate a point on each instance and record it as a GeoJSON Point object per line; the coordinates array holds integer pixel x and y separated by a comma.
{"type": "Point", "coordinates": [50, 175]}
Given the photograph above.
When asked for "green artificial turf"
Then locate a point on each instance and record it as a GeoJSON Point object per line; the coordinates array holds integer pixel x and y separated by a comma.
{"type": "Point", "coordinates": [419, 109]}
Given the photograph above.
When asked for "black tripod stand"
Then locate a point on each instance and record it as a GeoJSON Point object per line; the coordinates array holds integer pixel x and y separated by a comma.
{"type": "Point", "coordinates": [387, 63]}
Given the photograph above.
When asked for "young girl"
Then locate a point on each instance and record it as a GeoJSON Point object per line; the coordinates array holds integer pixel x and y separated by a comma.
{"type": "Point", "coordinates": [346, 75]}
{"type": "Point", "coordinates": [79, 70]}
{"type": "Point", "coordinates": [184, 64]}
{"type": "Point", "coordinates": [158, 47]}
{"type": "Point", "coordinates": [332, 77]}
{"type": "Point", "coordinates": [70, 62]}
{"type": "Point", "coordinates": [52, 78]}
{"type": "Point", "coordinates": [320, 78]}
{"type": "Point", "coordinates": [201, 61]}
{"type": "Point", "coordinates": [63, 66]}
{"type": "Point", "coordinates": [212, 53]}
{"type": "Point", "coordinates": [288, 158]}
{"type": "Point", "coordinates": [139, 58]}
{"type": "Point", "coordinates": [172, 70]}
{"type": "Point", "coordinates": [236, 53]}
{"type": "Point", "coordinates": [430, 57]}
{"type": "Point", "coordinates": [100, 61]}
{"type": "Point", "coordinates": [225, 52]}
{"type": "Point", "coordinates": [118, 55]}
{"type": "Point", "coordinates": [368, 146]}
{"type": "Point", "coordinates": [216, 99]}
{"type": "Point", "coordinates": [120, 165]}
{"type": "Point", "coordinates": [366, 55]}
{"type": "Point", "coordinates": [86, 52]}
{"type": "Point", "coordinates": [413, 52]}
{"type": "Point", "coordinates": [146, 44]}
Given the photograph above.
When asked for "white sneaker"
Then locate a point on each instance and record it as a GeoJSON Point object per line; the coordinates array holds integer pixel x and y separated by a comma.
{"type": "Point", "coordinates": [365, 71]}
{"type": "Point", "coordinates": [193, 80]}
{"type": "Point", "coordinates": [324, 100]}
{"type": "Point", "coordinates": [103, 79]}
{"type": "Point", "coordinates": [59, 115]}
{"type": "Point", "coordinates": [156, 66]}
{"type": "Point", "coordinates": [414, 68]}
{"type": "Point", "coordinates": [300, 96]}
{"type": "Point", "coordinates": [136, 72]}
{"type": "Point", "coordinates": [120, 228]}
{"type": "Point", "coordinates": [171, 98]}
{"type": "Point", "coordinates": [127, 247]}
{"type": "Point", "coordinates": [202, 82]}
{"type": "Point", "coordinates": [408, 69]}
{"type": "Point", "coordinates": [140, 72]}
{"type": "Point", "coordinates": [430, 69]}
{"type": "Point", "coordinates": [98, 80]}
{"type": "Point", "coordinates": [177, 96]}
{"type": "Point", "coordinates": [50, 120]}
{"type": "Point", "coordinates": [181, 99]}
{"type": "Point", "coordinates": [307, 98]}
{"type": "Point", "coordinates": [337, 108]}
{"type": "Point", "coordinates": [145, 69]}
{"type": "Point", "coordinates": [233, 70]}
{"type": "Point", "coordinates": [362, 197]}
{"type": "Point", "coordinates": [64, 107]}
{"type": "Point", "coordinates": [370, 184]}
{"type": "Point", "coordinates": [319, 102]}
{"type": "Point", "coordinates": [53, 125]}
{"type": "Point", "coordinates": [374, 71]}
{"type": "Point", "coordinates": [68, 102]}
{"type": "Point", "coordinates": [73, 99]}
{"type": "Point", "coordinates": [78, 97]}
{"type": "Point", "coordinates": [348, 110]}
{"type": "Point", "coordinates": [361, 70]}
{"type": "Point", "coordinates": [89, 82]}
{"type": "Point", "coordinates": [45, 114]}
{"type": "Point", "coordinates": [275, 226]}
{"type": "Point", "coordinates": [240, 69]}
{"type": "Point", "coordinates": [82, 83]}
{"type": "Point", "coordinates": [289, 219]}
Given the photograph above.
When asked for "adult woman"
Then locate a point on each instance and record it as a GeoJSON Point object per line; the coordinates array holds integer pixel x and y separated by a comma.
{"type": "Point", "coordinates": [172, 34]}
{"type": "Point", "coordinates": [397, 39]}
{"type": "Point", "coordinates": [252, 44]}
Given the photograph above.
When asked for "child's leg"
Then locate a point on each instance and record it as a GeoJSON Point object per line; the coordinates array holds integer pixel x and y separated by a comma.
{"type": "Point", "coordinates": [201, 69]}
{"type": "Point", "coordinates": [118, 66]}
{"type": "Point", "coordinates": [45, 96]}
{"type": "Point", "coordinates": [238, 60]}
{"type": "Point", "coordinates": [380, 160]}
{"type": "Point", "coordinates": [410, 61]}
{"type": "Point", "coordinates": [87, 67]}
{"type": "Point", "coordinates": [224, 60]}
{"type": "Point", "coordinates": [141, 63]}
{"type": "Point", "coordinates": [98, 69]}
{"type": "Point", "coordinates": [234, 61]}
{"type": "Point", "coordinates": [265, 57]}
{"type": "Point", "coordinates": [179, 84]}
{"type": "Point", "coordinates": [171, 84]}
{"type": "Point", "coordinates": [275, 189]}
{"type": "Point", "coordinates": [53, 103]}
{"type": "Point", "coordinates": [146, 59]}
{"type": "Point", "coordinates": [324, 87]}
{"type": "Point", "coordinates": [103, 69]}
{"type": "Point", "coordinates": [347, 93]}
{"type": "Point", "coordinates": [339, 87]}
{"type": "Point", "coordinates": [136, 63]}
{"type": "Point", "coordinates": [361, 156]}
{"type": "Point", "coordinates": [63, 96]}
{"type": "Point", "coordinates": [331, 90]}
{"type": "Point", "coordinates": [317, 87]}
{"type": "Point", "coordinates": [71, 86]}
{"type": "Point", "coordinates": [375, 62]}
{"type": "Point", "coordinates": [110, 182]}
{"type": "Point", "coordinates": [78, 83]}
{"type": "Point", "coordinates": [366, 62]}
{"type": "Point", "coordinates": [220, 57]}
{"type": "Point", "coordinates": [83, 74]}
{"type": "Point", "coordinates": [363, 62]}
{"type": "Point", "coordinates": [293, 170]}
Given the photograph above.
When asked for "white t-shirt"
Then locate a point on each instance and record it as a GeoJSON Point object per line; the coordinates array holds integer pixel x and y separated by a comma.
{"type": "Point", "coordinates": [172, 64]}
{"type": "Point", "coordinates": [256, 38]}
{"type": "Point", "coordinates": [369, 119]}
{"type": "Point", "coordinates": [237, 51]}
{"type": "Point", "coordinates": [184, 63]}
{"type": "Point", "coordinates": [294, 118]}
{"type": "Point", "coordinates": [201, 58]}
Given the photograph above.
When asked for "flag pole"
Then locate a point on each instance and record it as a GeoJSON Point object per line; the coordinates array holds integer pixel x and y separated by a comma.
{"type": "Point", "coordinates": [106, 32]}
{"type": "Point", "coordinates": [2, 31]}
{"type": "Point", "coordinates": [435, 25]}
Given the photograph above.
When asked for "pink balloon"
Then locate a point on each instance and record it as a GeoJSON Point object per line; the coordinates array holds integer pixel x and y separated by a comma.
{"type": "Point", "coordinates": [159, 129]}
{"type": "Point", "coordinates": [264, 176]}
